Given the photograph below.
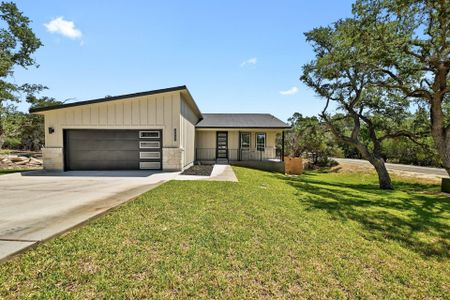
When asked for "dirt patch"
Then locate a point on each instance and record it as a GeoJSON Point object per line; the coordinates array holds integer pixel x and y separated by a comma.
{"type": "Point", "coordinates": [349, 167]}
{"type": "Point", "coordinates": [199, 170]}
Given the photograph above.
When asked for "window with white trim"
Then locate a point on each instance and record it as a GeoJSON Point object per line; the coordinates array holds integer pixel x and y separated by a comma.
{"type": "Point", "coordinates": [260, 141]}
{"type": "Point", "coordinates": [245, 140]}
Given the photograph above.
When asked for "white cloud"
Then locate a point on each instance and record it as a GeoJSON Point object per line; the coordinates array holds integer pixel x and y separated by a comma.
{"type": "Point", "coordinates": [63, 27]}
{"type": "Point", "coordinates": [250, 61]}
{"type": "Point", "coordinates": [293, 90]}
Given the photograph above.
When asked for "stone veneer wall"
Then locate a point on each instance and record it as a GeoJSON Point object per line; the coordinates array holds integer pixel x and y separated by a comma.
{"type": "Point", "coordinates": [172, 159]}
{"type": "Point", "coordinates": [53, 158]}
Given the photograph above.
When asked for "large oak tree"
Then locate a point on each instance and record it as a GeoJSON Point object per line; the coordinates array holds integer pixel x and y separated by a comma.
{"type": "Point", "coordinates": [407, 43]}
{"type": "Point", "coordinates": [335, 75]}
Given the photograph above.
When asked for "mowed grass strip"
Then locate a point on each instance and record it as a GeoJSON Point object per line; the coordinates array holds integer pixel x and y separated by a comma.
{"type": "Point", "coordinates": [320, 235]}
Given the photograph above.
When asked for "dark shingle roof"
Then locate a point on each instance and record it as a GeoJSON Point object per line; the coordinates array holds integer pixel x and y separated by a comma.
{"type": "Point", "coordinates": [240, 121]}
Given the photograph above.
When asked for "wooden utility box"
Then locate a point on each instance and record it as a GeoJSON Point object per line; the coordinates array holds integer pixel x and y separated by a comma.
{"type": "Point", "coordinates": [293, 165]}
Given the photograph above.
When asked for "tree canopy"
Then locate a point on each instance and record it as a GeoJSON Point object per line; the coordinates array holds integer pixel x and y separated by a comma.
{"type": "Point", "coordinates": [407, 44]}
{"type": "Point", "coordinates": [17, 44]}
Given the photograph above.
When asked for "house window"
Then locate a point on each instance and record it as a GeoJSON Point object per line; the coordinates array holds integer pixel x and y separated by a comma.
{"type": "Point", "coordinates": [148, 134]}
{"type": "Point", "coordinates": [260, 141]}
{"type": "Point", "coordinates": [245, 140]}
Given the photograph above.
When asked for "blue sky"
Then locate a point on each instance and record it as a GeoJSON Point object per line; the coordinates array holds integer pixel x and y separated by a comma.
{"type": "Point", "coordinates": [234, 56]}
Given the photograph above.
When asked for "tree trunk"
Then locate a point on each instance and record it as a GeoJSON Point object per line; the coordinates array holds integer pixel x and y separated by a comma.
{"type": "Point", "coordinates": [439, 130]}
{"type": "Point", "coordinates": [440, 134]}
{"type": "Point", "coordinates": [384, 178]}
{"type": "Point", "coordinates": [374, 158]}
{"type": "Point", "coordinates": [377, 162]}
{"type": "Point", "coordinates": [2, 136]}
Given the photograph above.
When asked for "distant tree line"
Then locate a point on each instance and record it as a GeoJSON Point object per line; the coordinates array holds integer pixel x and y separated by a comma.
{"type": "Point", "coordinates": [309, 137]}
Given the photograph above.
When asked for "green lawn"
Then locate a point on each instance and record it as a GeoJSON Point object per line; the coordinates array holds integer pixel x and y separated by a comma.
{"type": "Point", "coordinates": [321, 235]}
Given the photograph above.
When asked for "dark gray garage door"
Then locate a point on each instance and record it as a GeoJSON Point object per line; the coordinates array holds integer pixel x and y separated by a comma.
{"type": "Point", "coordinates": [92, 149]}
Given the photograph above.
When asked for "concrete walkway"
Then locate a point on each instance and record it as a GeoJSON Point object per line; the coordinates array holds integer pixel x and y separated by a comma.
{"type": "Point", "coordinates": [34, 206]}
{"type": "Point", "coordinates": [219, 173]}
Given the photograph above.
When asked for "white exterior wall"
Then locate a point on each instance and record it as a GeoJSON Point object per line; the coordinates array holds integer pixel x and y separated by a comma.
{"type": "Point", "coordinates": [160, 111]}
{"type": "Point", "coordinates": [206, 140]}
{"type": "Point", "coordinates": [188, 119]}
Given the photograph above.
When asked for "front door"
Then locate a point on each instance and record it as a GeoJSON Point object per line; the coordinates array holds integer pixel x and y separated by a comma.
{"type": "Point", "coordinates": [222, 144]}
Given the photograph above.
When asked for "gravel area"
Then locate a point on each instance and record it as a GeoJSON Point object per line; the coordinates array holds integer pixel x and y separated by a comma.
{"type": "Point", "coordinates": [200, 170]}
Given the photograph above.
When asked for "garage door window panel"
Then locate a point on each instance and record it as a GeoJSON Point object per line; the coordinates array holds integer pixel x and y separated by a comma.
{"type": "Point", "coordinates": [149, 134]}
{"type": "Point", "coordinates": [149, 165]}
{"type": "Point", "coordinates": [149, 155]}
{"type": "Point", "coordinates": [149, 145]}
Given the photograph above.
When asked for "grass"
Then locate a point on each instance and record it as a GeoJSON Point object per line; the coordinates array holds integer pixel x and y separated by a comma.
{"type": "Point", "coordinates": [320, 235]}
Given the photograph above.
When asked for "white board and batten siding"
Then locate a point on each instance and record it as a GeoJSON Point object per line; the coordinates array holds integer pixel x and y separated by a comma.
{"type": "Point", "coordinates": [169, 112]}
{"type": "Point", "coordinates": [145, 112]}
{"type": "Point", "coordinates": [188, 120]}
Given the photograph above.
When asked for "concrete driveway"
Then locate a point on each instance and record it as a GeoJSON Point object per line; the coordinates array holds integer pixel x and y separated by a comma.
{"type": "Point", "coordinates": [35, 206]}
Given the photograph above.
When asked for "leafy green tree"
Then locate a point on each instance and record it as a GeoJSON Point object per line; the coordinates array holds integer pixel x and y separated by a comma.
{"type": "Point", "coordinates": [407, 44]}
{"type": "Point", "coordinates": [23, 130]}
{"type": "Point", "coordinates": [308, 136]}
{"type": "Point", "coordinates": [374, 114]}
{"type": "Point", "coordinates": [17, 44]}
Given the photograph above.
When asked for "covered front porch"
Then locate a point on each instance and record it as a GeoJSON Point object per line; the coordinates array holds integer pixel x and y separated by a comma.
{"type": "Point", "coordinates": [246, 144]}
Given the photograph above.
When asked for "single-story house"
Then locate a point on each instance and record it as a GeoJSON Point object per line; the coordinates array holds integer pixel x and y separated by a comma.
{"type": "Point", "coordinates": [160, 129]}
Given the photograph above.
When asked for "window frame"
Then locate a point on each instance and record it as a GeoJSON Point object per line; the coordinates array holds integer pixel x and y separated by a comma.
{"type": "Point", "coordinates": [249, 140]}
{"type": "Point", "coordinates": [256, 141]}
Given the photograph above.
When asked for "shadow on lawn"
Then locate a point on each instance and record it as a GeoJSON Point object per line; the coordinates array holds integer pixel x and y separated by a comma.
{"type": "Point", "coordinates": [413, 214]}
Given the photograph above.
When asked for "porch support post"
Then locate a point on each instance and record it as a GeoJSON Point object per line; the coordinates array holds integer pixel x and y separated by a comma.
{"type": "Point", "coordinates": [282, 145]}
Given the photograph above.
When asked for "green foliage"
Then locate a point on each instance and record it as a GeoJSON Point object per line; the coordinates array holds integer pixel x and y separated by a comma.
{"type": "Point", "coordinates": [405, 151]}
{"type": "Point", "coordinates": [406, 43]}
{"type": "Point", "coordinates": [23, 130]}
{"type": "Point", "coordinates": [308, 137]}
{"type": "Point", "coordinates": [17, 44]}
{"type": "Point", "coordinates": [346, 72]}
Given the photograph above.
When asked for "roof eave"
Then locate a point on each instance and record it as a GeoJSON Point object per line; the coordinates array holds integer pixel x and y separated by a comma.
{"type": "Point", "coordinates": [120, 97]}
{"type": "Point", "coordinates": [191, 100]}
{"type": "Point", "coordinates": [243, 127]}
